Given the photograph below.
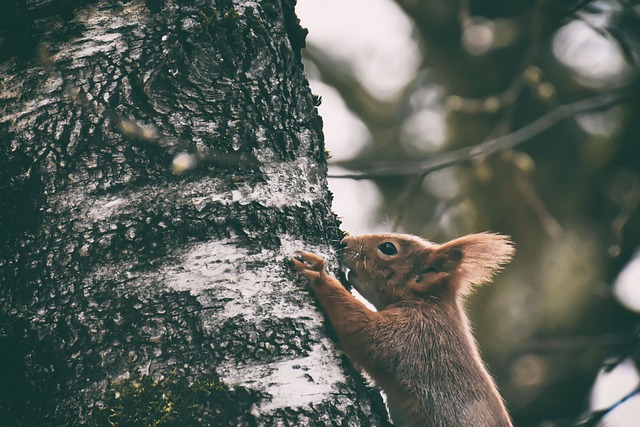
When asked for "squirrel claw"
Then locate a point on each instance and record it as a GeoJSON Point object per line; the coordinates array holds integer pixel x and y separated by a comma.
{"type": "Point", "coordinates": [307, 261]}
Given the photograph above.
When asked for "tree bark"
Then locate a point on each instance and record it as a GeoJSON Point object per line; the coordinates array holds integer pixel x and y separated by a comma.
{"type": "Point", "coordinates": [160, 162]}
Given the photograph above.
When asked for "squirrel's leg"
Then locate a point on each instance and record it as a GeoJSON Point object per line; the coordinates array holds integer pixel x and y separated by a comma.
{"type": "Point", "coordinates": [351, 319]}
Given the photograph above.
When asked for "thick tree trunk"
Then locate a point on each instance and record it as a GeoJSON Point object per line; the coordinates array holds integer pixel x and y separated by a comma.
{"type": "Point", "coordinates": [160, 160]}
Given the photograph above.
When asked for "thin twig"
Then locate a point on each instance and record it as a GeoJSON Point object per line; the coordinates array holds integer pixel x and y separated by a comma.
{"type": "Point", "coordinates": [492, 146]}
{"type": "Point", "coordinates": [577, 7]}
{"type": "Point", "coordinates": [549, 223]}
{"type": "Point", "coordinates": [627, 208]}
{"type": "Point", "coordinates": [593, 418]}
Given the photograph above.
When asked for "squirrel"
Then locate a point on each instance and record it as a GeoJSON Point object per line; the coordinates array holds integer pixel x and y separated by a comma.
{"type": "Point", "coordinates": [418, 345]}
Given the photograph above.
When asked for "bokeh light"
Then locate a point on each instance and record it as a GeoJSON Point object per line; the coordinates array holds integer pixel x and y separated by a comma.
{"type": "Point", "coordinates": [596, 60]}
{"type": "Point", "coordinates": [627, 285]}
{"type": "Point", "coordinates": [372, 36]}
{"type": "Point", "coordinates": [346, 135]}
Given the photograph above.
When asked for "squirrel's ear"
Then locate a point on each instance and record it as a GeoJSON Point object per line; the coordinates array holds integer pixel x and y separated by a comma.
{"type": "Point", "coordinates": [480, 257]}
{"type": "Point", "coordinates": [436, 267]}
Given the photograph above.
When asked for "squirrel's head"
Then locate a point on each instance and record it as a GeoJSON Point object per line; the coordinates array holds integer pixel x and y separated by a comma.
{"type": "Point", "coordinates": [388, 268]}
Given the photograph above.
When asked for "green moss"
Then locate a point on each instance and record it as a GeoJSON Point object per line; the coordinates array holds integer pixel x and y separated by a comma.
{"type": "Point", "coordinates": [143, 401]}
{"type": "Point", "coordinates": [225, 17]}
{"type": "Point", "coordinates": [206, 19]}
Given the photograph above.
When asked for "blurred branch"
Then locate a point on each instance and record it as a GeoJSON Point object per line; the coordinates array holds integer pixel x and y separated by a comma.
{"type": "Point", "coordinates": [382, 117]}
{"type": "Point", "coordinates": [578, 6]}
{"type": "Point", "coordinates": [627, 208]}
{"type": "Point", "coordinates": [504, 106]}
{"type": "Point", "coordinates": [371, 110]}
{"type": "Point", "coordinates": [410, 190]}
{"type": "Point", "coordinates": [487, 148]}
{"type": "Point", "coordinates": [549, 223]}
{"type": "Point", "coordinates": [593, 419]}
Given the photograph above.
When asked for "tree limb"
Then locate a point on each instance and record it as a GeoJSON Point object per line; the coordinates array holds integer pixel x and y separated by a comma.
{"type": "Point", "coordinates": [487, 148]}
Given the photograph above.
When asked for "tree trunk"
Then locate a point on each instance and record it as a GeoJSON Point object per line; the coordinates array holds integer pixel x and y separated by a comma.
{"type": "Point", "coordinates": [160, 162]}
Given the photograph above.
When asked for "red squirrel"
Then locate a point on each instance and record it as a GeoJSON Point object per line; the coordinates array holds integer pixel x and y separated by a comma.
{"type": "Point", "coordinates": [418, 345]}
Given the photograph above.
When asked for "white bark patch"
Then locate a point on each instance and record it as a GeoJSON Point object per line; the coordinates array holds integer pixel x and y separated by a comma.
{"type": "Point", "coordinates": [103, 34]}
{"type": "Point", "coordinates": [105, 207]}
{"type": "Point", "coordinates": [253, 283]}
{"type": "Point", "coordinates": [291, 184]}
{"type": "Point", "coordinates": [292, 383]}
{"type": "Point", "coordinates": [26, 109]}
{"type": "Point", "coordinates": [241, 6]}
{"type": "Point", "coordinates": [256, 288]}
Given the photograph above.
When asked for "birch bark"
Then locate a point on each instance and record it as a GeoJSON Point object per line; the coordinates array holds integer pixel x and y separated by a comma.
{"type": "Point", "coordinates": [160, 162]}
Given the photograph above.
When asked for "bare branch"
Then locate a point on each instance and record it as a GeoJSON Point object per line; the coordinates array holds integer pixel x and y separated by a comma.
{"type": "Point", "coordinates": [549, 223]}
{"type": "Point", "coordinates": [627, 207]}
{"type": "Point", "coordinates": [594, 418]}
{"type": "Point", "coordinates": [487, 148]}
{"type": "Point", "coordinates": [371, 110]}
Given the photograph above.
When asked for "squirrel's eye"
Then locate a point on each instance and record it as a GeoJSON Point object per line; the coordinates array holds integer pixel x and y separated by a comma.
{"type": "Point", "coordinates": [388, 248]}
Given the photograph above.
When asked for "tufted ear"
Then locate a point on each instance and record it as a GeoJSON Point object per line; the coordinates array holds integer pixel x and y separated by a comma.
{"type": "Point", "coordinates": [482, 255]}
{"type": "Point", "coordinates": [434, 268]}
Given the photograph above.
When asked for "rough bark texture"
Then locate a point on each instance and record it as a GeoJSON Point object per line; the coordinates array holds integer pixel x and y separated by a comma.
{"type": "Point", "coordinates": [131, 293]}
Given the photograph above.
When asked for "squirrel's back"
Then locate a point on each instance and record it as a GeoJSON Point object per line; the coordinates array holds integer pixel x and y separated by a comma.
{"type": "Point", "coordinates": [438, 379]}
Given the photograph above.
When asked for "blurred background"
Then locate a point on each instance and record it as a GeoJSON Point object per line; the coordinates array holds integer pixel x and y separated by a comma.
{"type": "Point", "coordinates": [523, 117]}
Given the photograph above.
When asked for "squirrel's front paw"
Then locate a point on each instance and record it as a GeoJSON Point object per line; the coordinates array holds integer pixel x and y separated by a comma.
{"type": "Point", "coordinates": [309, 265]}
{"type": "Point", "coordinates": [303, 261]}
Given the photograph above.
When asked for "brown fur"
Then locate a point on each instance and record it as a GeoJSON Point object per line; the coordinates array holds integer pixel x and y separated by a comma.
{"type": "Point", "coordinates": [418, 346]}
